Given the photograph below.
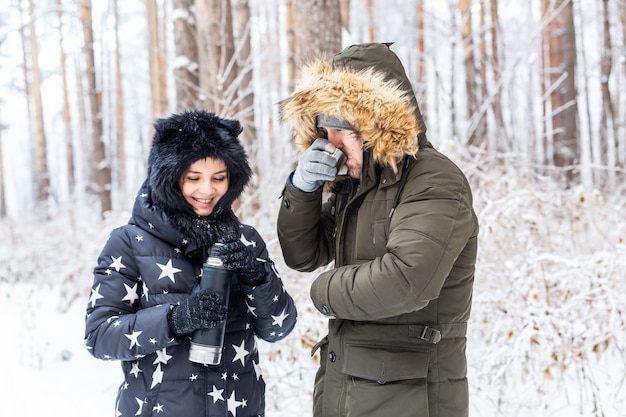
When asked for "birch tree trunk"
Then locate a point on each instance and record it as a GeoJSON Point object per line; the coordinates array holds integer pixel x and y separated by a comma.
{"type": "Point", "coordinates": [186, 50]}
{"type": "Point", "coordinates": [42, 177]}
{"type": "Point", "coordinates": [100, 184]}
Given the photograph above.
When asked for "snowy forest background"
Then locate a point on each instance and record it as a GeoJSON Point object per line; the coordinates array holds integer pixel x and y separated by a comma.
{"type": "Point", "coordinates": [527, 96]}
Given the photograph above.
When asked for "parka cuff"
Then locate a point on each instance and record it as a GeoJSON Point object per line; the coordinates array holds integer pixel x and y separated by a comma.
{"type": "Point", "coordinates": [320, 295]}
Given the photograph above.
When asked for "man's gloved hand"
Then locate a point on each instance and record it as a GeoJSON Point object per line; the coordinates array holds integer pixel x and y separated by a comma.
{"type": "Point", "coordinates": [315, 166]}
{"type": "Point", "coordinates": [238, 257]}
{"type": "Point", "coordinates": [201, 310]}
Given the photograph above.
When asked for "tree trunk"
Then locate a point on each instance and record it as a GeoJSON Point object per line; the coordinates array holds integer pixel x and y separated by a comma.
{"type": "Point", "coordinates": [421, 57]}
{"type": "Point", "coordinates": [500, 145]}
{"type": "Point", "coordinates": [156, 57]}
{"type": "Point", "coordinates": [186, 49]}
{"type": "Point", "coordinates": [469, 63]}
{"type": "Point", "coordinates": [560, 86]}
{"type": "Point", "coordinates": [217, 69]}
{"type": "Point", "coordinates": [100, 184]}
{"type": "Point", "coordinates": [290, 33]}
{"type": "Point", "coordinates": [41, 165]}
{"type": "Point", "coordinates": [318, 34]}
{"type": "Point", "coordinates": [3, 207]}
{"type": "Point", "coordinates": [67, 115]}
{"type": "Point", "coordinates": [243, 56]}
{"type": "Point", "coordinates": [245, 94]}
{"type": "Point", "coordinates": [119, 107]}
{"type": "Point", "coordinates": [371, 27]}
{"type": "Point", "coordinates": [620, 6]}
{"type": "Point", "coordinates": [345, 14]}
{"type": "Point", "coordinates": [608, 126]}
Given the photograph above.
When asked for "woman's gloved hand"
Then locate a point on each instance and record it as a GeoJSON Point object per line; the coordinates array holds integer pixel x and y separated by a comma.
{"type": "Point", "coordinates": [239, 258]}
{"type": "Point", "coordinates": [201, 310]}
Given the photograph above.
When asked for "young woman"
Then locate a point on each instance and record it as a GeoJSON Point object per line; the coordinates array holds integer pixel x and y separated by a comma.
{"type": "Point", "coordinates": [145, 302]}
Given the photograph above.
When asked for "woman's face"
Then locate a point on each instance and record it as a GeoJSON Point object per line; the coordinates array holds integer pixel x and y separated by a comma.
{"type": "Point", "coordinates": [351, 146]}
{"type": "Point", "coordinates": [204, 183]}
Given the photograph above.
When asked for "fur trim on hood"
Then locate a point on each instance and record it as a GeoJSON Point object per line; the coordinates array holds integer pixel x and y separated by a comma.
{"type": "Point", "coordinates": [179, 141]}
{"type": "Point", "coordinates": [365, 86]}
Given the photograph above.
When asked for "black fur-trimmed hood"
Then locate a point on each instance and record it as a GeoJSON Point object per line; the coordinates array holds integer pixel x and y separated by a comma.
{"type": "Point", "coordinates": [179, 141]}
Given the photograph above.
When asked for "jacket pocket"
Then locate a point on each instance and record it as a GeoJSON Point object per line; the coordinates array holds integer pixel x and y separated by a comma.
{"type": "Point", "coordinates": [385, 380]}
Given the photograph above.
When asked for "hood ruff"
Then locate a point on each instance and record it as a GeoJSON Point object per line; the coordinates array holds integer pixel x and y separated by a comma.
{"type": "Point", "coordinates": [380, 111]}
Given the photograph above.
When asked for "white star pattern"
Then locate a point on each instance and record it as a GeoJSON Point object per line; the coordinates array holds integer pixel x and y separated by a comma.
{"type": "Point", "coordinates": [139, 238]}
{"type": "Point", "coordinates": [247, 242]}
{"type": "Point", "coordinates": [233, 404]}
{"type": "Point", "coordinates": [193, 377]}
{"type": "Point", "coordinates": [240, 353]}
{"type": "Point", "coordinates": [257, 370]}
{"type": "Point", "coordinates": [131, 294]}
{"type": "Point", "coordinates": [140, 403]}
{"type": "Point", "coordinates": [278, 320]}
{"type": "Point", "coordinates": [133, 339]}
{"type": "Point", "coordinates": [135, 370]}
{"type": "Point", "coordinates": [158, 408]}
{"type": "Point", "coordinates": [145, 290]}
{"type": "Point", "coordinates": [216, 394]}
{"type": "Point", "coordinates": [251, 309]}
{"type": "Point", "coordinates": [168, 270]}
{"type": "Point", "coordinates": [95, 296]}
{"type": "Point", "coordinates": [117, 264]}
{"type": "Point", "coordinates": [162, 357]}
{"type": "Point", "coordinates": [157, 376]}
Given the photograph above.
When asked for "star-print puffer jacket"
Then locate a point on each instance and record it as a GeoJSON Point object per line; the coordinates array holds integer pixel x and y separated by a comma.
{"type": "Point", "coordinates": [144, 269]}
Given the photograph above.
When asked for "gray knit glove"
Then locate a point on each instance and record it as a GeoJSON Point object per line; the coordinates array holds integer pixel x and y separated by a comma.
{"type": "Point", "coordinates": [315, 166]}
{"type": "Point", "coordinates": [201, 310]}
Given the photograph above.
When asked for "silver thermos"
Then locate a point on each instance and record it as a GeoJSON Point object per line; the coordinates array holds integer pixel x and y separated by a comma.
{"type": "Point", "coordinates": [207, 344]}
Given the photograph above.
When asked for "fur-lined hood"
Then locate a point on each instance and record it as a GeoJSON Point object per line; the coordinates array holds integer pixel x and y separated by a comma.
{"type": "Point", "coordinates": [366, 86]}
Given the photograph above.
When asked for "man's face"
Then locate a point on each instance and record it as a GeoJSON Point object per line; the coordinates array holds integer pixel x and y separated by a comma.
{"type": "Point", "coordinates": [351, 146]}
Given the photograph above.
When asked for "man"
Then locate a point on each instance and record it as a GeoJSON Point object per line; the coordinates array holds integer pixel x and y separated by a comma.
{"type": "Point", "coordinates": [400, 229]}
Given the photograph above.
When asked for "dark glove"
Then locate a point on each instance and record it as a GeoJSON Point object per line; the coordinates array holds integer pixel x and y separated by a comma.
{"type": "Point", "coordinates": [201, 310]}
{"type": "Point", "coordinates": [315, 166]}
{"type": "Point", "coordinates": [238, 257]}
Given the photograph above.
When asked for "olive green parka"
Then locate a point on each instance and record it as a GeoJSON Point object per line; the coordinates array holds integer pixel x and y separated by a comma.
{"type": "Point", "coordinates": [403, 239]}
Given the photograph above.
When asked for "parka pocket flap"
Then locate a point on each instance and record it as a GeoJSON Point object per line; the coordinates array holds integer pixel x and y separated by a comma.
{"type": "Point", "coordinates": [385, 363]}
